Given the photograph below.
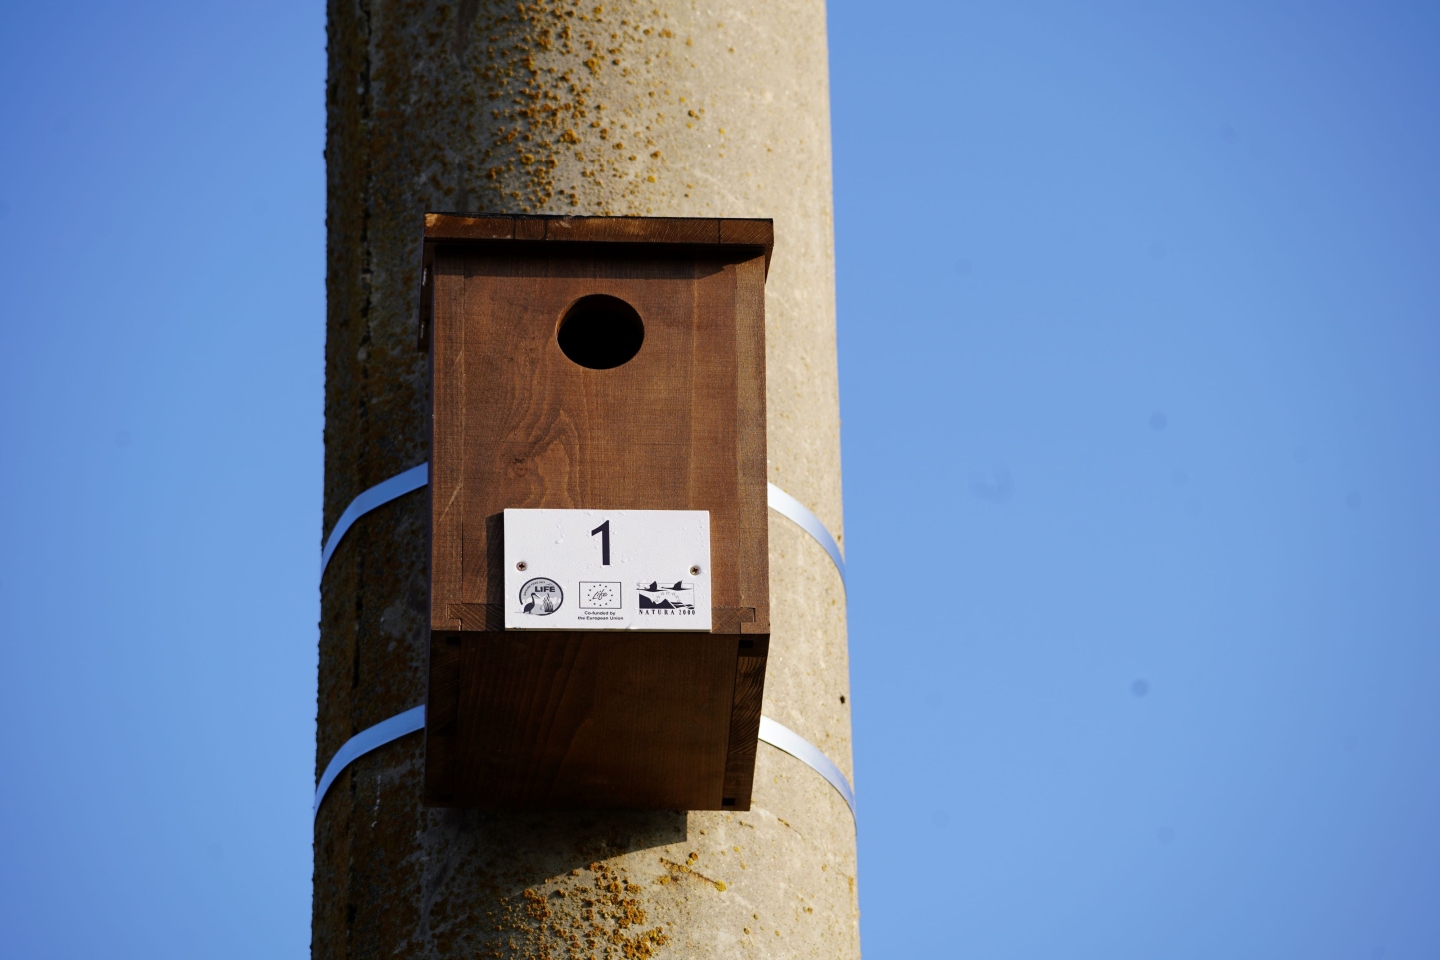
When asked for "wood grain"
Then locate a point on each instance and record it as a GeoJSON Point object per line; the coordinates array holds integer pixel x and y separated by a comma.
{"type": "Point", "coordinates": [730, 619]}
{"type": "Point", "coordinates": [452, 226]}
{"type": "Point", "coordinates": [745, 722]}
{"type": "Point", "coordinates": [636, 230]}
{"type": "Point", "coordinates": [478, 616]}
{"type": "Point", "coordinates": [653, 231]}
{"type": "Point", "coordinates": [518, 424]}
{"type": "Point", "coordinates": [592, 719]}
{"type": "Point", "coordinates": [587, 720]}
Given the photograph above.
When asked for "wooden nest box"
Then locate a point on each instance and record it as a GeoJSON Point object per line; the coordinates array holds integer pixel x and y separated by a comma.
{"type": "Point", "coordinates": [599, 587]}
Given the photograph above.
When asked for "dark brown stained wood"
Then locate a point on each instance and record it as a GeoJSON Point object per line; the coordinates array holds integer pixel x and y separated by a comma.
{"type": "Point", "coordinates": [478, 616]}
{"type": "Point", "coordinates": [637, 229]}
{"type": "Point", "coordinates": [760, 232]}
{"type": "Point", "coordinates": [590, 719]}
{"type": "Point", "coordinates": [528, 228]}
{"type": "Point", "coordinates": [442, 712]}
{"type": "Point", "coordinates": [753, 520]}
{"type": "Point", "coordinates": [730, 619]}
{"type": "Point", "coordinates": [699, 231]}
{"type": "Point", "coordinates": [586, 719]}
{"type": "Point", "coordinates": [518, 424]}
{"type": "Point", "coordinates": [452, 226]}
{"type": "Point", "coordinates": [745, 722]}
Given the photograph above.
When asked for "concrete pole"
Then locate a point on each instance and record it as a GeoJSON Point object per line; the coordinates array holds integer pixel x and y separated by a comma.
{"type": "Point", "coordinates": [664, 108]}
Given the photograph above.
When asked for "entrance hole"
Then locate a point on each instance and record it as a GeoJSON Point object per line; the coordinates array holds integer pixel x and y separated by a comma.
{"type": "Point", "coordinates": [601, 332]}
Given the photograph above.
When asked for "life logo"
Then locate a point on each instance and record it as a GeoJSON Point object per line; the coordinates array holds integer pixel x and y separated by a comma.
{"type": "Point", "coordinates": [541, 597]}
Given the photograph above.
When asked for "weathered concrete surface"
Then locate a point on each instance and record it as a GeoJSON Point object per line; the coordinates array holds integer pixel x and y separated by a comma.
{"type": "Point", "coordinates": [665, 109]}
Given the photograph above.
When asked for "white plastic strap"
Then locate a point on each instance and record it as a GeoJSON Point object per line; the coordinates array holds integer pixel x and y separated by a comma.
{"type": "Point", "coordinates": [365, 741]}
{"type": "Point", "coordinates": [792, 509]}
{"type": "Point", "coordinates": [777, 735]}
{"type": "Point", "coordinates": [381, 493]}
{"type": "Point", "coordinates": [783, 738]}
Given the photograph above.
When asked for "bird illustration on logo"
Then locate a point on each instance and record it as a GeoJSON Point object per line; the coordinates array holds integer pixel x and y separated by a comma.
{"type": "Point", "coordinates": [541, 596]}
{"type": "Point", "coordinates": [653, 596]}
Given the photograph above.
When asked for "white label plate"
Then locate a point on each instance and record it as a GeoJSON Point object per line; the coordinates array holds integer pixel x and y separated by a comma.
{"type": "Point", "coordinates": [607, 570]}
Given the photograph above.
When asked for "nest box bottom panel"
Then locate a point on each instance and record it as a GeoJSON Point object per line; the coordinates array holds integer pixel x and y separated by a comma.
{"type": "Point", "coordinates": [593, 720]}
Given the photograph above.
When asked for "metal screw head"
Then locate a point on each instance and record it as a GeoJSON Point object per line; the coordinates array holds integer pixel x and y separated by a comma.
{"type": "Point", "coordinates": [695, 570]}
{"type": "Point", "coordinates": [520, 566]}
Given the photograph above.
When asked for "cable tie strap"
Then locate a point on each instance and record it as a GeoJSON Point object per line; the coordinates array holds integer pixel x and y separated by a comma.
{"type": "Point", "coordinates": [365, 741]}
{"type": "Point", "coordinates": [381, 493]}
{"type": "Point", "coordinates": [783, 738]}
{"type": "Point", "coordinates": [792, 509]}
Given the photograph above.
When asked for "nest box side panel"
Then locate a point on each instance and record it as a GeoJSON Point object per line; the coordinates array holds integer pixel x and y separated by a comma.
{"type": "Point", "coordinates": [752, 463]}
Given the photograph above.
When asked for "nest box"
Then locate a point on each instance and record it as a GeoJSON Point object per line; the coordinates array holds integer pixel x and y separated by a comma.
{"type": "Point", "coordinates": [599, 584]}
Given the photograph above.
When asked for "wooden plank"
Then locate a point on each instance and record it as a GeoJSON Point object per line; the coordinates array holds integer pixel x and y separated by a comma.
{"type": "Point", "coordinates": [446, 487]}
{"type": "Point", "coordinates": [589, 720]}
{"type": "Point", "coordinates": [758, 232]}
{"type": "Point", "coordinates": [635, 230]}
{"type": "Point", "coordinates": [745, 722]}
{"type": "Point", "coordinates": [451, 226]}
{"type": "Point", "coordinates": [753, 516]}
{"type": "Point", "coordinates": [527, 427]}
{"type": "Point", "coordinates": [730, 619]}
{"type": "Point", "coordinates": [442, 713]}
{"type": "Point", "coordinates": [480, 617]}
{"type": "Point", "coordinates": [530, 228]}
{"type": "Point", "coordinates": [704, 231]}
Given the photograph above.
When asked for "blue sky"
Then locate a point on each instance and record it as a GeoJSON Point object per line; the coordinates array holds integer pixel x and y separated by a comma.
{"type": "Point", "coordinates": [1139, 337]}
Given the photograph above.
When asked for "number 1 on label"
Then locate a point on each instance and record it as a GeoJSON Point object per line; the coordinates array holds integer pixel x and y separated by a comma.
{"type": "Point", "coordinates": [604, 531]}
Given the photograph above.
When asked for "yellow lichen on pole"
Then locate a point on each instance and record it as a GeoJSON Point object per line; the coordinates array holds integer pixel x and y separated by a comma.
{"type": "Point", "coordinates": [659, 109]}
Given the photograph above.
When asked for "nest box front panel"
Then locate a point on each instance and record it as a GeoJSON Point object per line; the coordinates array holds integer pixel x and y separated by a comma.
{"type": "Point", "coordinates": [518, 424]}
{"type": "Point", "coordinates": [653, 400]}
